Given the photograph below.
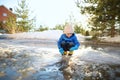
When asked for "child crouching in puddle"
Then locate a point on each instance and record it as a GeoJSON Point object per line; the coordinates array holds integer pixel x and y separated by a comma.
{"type": "Point", "coordinates": [68, 42]}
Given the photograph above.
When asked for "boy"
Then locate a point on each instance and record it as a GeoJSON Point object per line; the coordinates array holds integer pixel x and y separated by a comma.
{"type": "Point", "coordinates": [68, 41]}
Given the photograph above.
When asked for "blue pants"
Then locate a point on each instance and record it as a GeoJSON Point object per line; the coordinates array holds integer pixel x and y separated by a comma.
{"type": "Point", "coordinates": [67, 45]}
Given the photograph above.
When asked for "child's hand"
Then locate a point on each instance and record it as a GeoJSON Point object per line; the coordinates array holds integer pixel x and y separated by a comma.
{"type": "Point", "coordinates": [73, 48]}
{"type": "Point", "coordinates": [61, 51]}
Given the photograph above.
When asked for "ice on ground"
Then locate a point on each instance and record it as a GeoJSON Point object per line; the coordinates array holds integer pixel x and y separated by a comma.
{"type": "Point", "coordinates": [37, 56]}
{"type": "Point", "coordinates": [48, 56]}
{"type": "Point", "coordinates": [94, 56]}
{"type": "Point", "coordinates": [23, 54]}
{"type": "Point", "coordinates": [52, 55]}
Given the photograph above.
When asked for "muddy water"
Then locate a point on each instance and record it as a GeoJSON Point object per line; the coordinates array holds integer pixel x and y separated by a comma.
{"type": "Point", "coordinates": [22, 70]}
{"type": "Point", "coordinates": [28, 67]}
{"type": "Point", "coordinates": [91, 70]}
{"type": "Point", "coordinates": [28, 60]}
{"type": "Point", "coordinates": [20, 63]}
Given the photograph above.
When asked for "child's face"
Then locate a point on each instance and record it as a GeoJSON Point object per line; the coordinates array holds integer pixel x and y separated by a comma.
{"type": "Point", "coordinates": [68, 34]}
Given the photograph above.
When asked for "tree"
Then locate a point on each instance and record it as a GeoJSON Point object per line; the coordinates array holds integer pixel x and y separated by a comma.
{"type": "Point", "coordinates": [59, 27]}
{"type": "Point", "coordinates": [23, 21]}
{"type": "Point", "coordinates": [79, 29]}
{"type": "Point", "coordinates": [10, 25]}
{"type": "Point", "coordinates": [41, 28]}
{"type": "Point", "coordinates": [87, 33]}
{"type": "Point", "coordinates": [104, 13]}
{"type": "Point", "coordinates": [1, 25]}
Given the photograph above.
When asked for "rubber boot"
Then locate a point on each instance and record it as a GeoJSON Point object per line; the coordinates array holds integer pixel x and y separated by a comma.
{"type": "Point", "coordinates": [65, 52]}
{"type": "Point", "coordinates": [70, 53]}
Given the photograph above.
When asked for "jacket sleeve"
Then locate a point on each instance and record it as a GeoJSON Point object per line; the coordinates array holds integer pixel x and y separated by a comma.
{"type": "Point", "coordinates": [77, 44]}
{"type": "Point", "coordinates": [59, 42]}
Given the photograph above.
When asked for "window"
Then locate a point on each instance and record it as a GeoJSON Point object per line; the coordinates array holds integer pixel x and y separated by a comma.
{"type": "Point", "coordinates": [4, 14]}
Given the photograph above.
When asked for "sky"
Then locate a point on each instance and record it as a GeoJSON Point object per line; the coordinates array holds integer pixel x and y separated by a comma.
{"type": "Point", "coordinates": [50, 12]}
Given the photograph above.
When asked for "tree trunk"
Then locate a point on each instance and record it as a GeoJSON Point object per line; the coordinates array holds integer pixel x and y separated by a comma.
{"type": "Point", "coordinates": [112, 31]}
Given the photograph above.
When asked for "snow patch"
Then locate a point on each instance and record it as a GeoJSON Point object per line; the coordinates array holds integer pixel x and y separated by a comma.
{"type": "Point", "coordinates": [45, 35]}
{"type": "Point", "coordinates": [112, 39]}
{"type": "Point", "coordinates": [94, 56]}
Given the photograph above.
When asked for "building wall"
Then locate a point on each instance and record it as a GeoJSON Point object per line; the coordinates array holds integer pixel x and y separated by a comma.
{"type": "Point", "coordinates": [4, 13]}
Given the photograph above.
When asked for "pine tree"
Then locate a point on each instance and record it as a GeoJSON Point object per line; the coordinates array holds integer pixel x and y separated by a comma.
{"type": "Point", "coordinates": [23, 21]}
{"type": "Point", "coordinates": [104, 13]}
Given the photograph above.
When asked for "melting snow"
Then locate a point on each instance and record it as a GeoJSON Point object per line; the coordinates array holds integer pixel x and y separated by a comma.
{"type": "Point", "coordinates": [86, 54]}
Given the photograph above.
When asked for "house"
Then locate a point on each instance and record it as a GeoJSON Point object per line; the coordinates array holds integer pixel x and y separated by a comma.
{"type": "Point", "coordinates": [4, 14]}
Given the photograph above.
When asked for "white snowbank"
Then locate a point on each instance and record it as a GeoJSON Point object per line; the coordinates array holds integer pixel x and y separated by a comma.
{"type": "Point", "coordinates": [80, 37]}
{"type": "Point", "coordinates": [46, 35]}
{"type": "Point", "coordinates": [112, 39]}
{"type": "Point", "coordinates": [90, 55]}
{"type": "Point", "coordinates": [50, 34]}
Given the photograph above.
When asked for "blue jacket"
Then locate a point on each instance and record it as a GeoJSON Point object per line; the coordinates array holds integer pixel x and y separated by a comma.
{"type": "Point", "coordinates": [73, 39]}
